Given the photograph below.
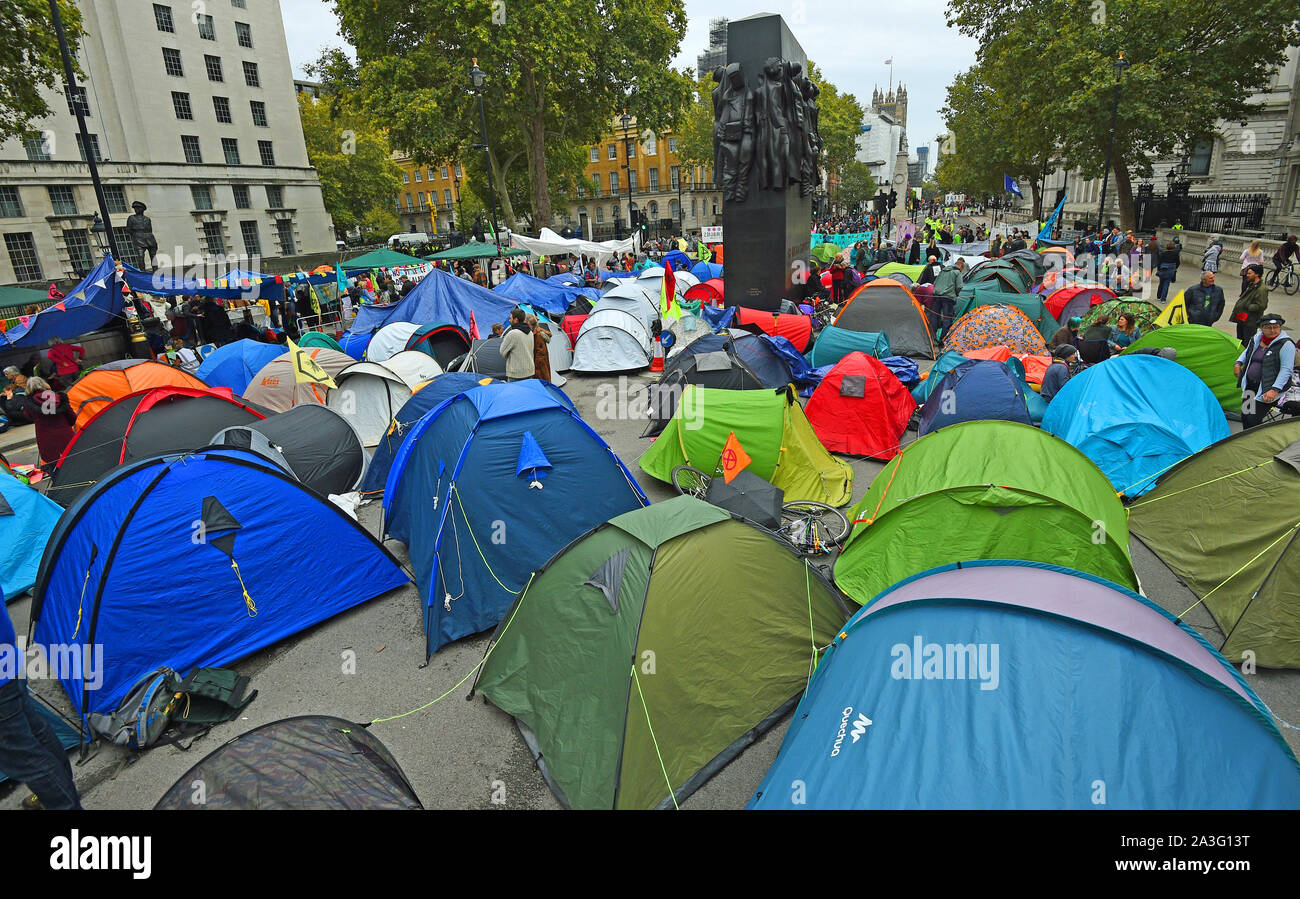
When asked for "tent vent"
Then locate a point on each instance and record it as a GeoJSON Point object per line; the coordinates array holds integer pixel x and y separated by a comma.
{"type": "Point", "coordinates": [853, 385]}
{"type": "Point", "coordinates": [608, 578]}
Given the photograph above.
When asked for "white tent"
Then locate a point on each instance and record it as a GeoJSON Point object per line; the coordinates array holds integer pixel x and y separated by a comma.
{"type": "Point", "coordinates": [548, 243]}
{"type": "Point", "coordinates": [413, 367]}
{"type": "Point", "coordinates": [368, 396]}
{"type": "Point", "coordinates": [617, 334]}
{"type": "Point", "coordinates": [390, 340]}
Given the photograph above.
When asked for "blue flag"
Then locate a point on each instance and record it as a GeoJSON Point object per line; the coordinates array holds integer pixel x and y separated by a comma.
{"type": "Point", "coordinates": [1009, 183]}
{"type": "Point", "coordinates": [1046, 233]}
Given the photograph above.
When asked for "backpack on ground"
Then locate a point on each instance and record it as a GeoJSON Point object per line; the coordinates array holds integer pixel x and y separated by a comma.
{"type": "Point", "coordinates": [144, 714]}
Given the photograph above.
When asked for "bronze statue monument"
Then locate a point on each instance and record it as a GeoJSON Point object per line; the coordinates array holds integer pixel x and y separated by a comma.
{"type": "Point", "coordinates": [141, 231]}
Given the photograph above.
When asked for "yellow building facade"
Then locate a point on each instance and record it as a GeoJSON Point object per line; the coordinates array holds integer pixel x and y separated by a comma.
{"type": "Point", "coordinates": [429, 196]}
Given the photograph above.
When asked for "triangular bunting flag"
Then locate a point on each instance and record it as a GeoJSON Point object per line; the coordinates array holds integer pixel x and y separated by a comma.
{"type": "Point", "coordinates": [734, 458]}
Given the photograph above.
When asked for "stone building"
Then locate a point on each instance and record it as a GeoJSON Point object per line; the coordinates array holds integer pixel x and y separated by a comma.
{"type": "Point", "coordinates": [192, 113]}
{"type": "Point", "coordinates": [430, 196]}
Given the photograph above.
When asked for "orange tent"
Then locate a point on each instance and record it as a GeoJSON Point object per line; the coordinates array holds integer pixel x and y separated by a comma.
{"type": "Point", "coordinates": [998, 353]}
{"type": "Point", "coordinates": [889, 307]}
{"type": "Point", "coordinates": [114, 380]}
{"type": "Point", "coordinates": [322, 270]}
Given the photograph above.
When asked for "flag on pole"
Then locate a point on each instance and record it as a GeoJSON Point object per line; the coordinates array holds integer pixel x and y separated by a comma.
{"type": "Point", "coordinates": [1009, 184]}
{"type": "Point", "coordinates": [734, 459]}
{"type": "Point", "coordinates": [889, 62]}
{"type": "Point", "coordinates": [1046, 233]}
{"type": "Point", "coordinates": [668, 293]}
{"type": "Point", "coordinates": [311, 291]}
{"type": "Point", "coordinates": [341, 279]}
{"type": "Point", "coordinates": [306, 370]}
{"type": "Point", "coordinates": [473, 327]}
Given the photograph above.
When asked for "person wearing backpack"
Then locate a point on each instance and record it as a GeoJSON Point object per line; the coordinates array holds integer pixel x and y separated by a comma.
{"type": "Point", "coordinates": [30, 751]}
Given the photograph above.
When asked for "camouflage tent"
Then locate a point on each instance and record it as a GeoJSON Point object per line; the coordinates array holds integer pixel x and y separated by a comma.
{"type": "Point", "coordinates": [1144, 312]}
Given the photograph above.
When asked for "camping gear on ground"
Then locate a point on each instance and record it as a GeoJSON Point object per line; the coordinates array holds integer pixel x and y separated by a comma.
{"type": "Point", "coordinates": [317, 763]}
{"type": "Point", "coordinates": [367, 395]}
{"type": "Point", "coordinates": [144, 714]}
{"type": "Point", "coordinates": [992, 490]}
{"type": "Point", "coordinates": [609, 736]}
{"type": "Point", "coordinates": [886, 306]}
{"type": "Point", "coordinates": [214, 524]}
{"type": "Point", "coordinates": [986, 326]}
{"type": "Point", "coordinates": [1031, 304]}
{"type": "Point", "coordinates": [413, 367]}
{"type": "Point", "coordinates": [314, 444]}
{"type": "Point", "coordinates": [1082, 671]}
{"type": "Point", "coordinates": [977, 391]}
{"type": "Point", "coordinates": [833, 344]}
{"type": "Point", "coordinates": [27, 518]}
{"type": "Point", "coordinates": [444, 342]}
{"type": "Point", "coordinates": [1076, 299]}
{"type": "Point", "coordinates": [163, 701]}
{"type": "Point", "coordinates": [486, 487]}
{"type": "Point", "coordinates": [235, 364]}
{"type": "Point", "coordinates": [748, 496]}
{"type": "Point", "coordinates": [1226, 522]}
{"type": "Point", "coordinates": [770, 425]}
{"type": "Point", "coordinates": [861, 408]}
{"type": "Point", "coordinates": [1206, 352]}
{"type": "Point", "coordinates": [795, 328]}
{"type": "Point", "coordinates": [1136, 416]}
{"type": "Point", "coordinates": [389, 340]}
{"type": "Point", "coordinates": [114, 380]}
{"type": "Point", "coordinates": [144, 424]}
{"type": "Point", "coordinates": [279, 386]}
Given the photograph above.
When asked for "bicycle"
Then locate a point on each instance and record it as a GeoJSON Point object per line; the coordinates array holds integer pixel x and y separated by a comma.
{"type": "Point", "coordinates": [811, 528]}
{"type": "Point", "coordinates": [1290, 279]}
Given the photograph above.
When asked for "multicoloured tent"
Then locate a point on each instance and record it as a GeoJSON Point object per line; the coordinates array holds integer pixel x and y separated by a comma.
{"type": "Point", "coordinates": [1031, 304]}
{"type": "Point", "coordinates": [1076, 299]}
{"type": "Point", "coordinates": [771, 427]}
{"type": "Point", "coordinates": [277, 385]}
{"type": "Point", "coordinates": [984, 490]}
{"type": "Point", "coordinates": [986, 326]}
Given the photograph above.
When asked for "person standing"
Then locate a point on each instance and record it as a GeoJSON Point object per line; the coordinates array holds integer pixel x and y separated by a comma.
{"type": "Point", "coordinates": [1251, 305]}
{"type": "Point", "coordinates": [517, 348]}
{"type": "Point", "coordinates": [1264, 369]}
{"type": "Point", "coordinates": [66, 358]}
{"type": "Point", "coordinates": [1210, 258]}
{"type": "Point", "coordinates": [837, 279]}
{"type": "Point", "coordinates": [1167, 270]}
{"type": "Point", "coordinates": [53, 417]}
{"type": "Point", "coordinates": [1252, 255]}
{"type": "Point", "coordinates": [1204, 301]}
{"type": "Point", "coordinates": [541, 352]}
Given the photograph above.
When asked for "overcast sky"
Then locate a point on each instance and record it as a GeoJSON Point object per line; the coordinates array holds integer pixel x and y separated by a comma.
{"type": "Point", "coordinates": [850, 45]}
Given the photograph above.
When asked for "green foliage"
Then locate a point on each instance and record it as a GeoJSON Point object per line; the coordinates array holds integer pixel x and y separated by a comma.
{"type": "Point", "coordinates": [856, 185]}
{"type": "Point", "coordinates": [352, 158]}
{"type": "Point", "coordinates": [31, 62]}
{"type": "Point", "coordinates": [839, 123]}
{"type": "Point", "coordinates": [695, 128]}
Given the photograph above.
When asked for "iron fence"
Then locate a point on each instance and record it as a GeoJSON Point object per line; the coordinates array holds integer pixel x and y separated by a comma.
{"type": "Point", "coordinates": [1215, 213]}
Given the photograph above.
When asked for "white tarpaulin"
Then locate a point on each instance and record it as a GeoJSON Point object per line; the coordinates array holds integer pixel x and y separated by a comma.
{"type": "Point", "coordinates": [548, 243]}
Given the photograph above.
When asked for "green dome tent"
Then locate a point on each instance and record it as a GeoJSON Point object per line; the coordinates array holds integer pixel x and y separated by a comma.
{"type": "Point", "coordinates": [1226, 522]}
{"type": "Point", "coordinates": [772, 429]}
{"type": "Point", "coordinates": [718, 654]}
{"type": "Point", "coordinates": [825, 253]}
{"type": "Point", "coordinates": [319, 338]}
{"type": "Point", "coordinates": [984, 490]}
{"type": "Point", "coordinates": [1208, 353]}
{"type": "Point", "coordinates": [889, 269]}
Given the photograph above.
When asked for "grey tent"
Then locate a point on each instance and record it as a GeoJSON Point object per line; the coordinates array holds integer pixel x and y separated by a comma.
{"type": "Point", "coordinates": [320, 448]}
{"type": "Point", "coordinates": [618, 334]}
{"type": "Point", "coordinates": [485, 358]}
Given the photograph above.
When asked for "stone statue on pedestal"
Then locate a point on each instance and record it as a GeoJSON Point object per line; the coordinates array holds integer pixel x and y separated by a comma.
{"type": "Point", "coordinates": [141, 230]}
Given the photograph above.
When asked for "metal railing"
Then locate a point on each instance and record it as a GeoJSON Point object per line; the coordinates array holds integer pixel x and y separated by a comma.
{"type": "Point", "coordinates": [1218, 213]}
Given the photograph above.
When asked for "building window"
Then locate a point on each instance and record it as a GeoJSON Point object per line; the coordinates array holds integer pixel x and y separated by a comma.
{"type": "Point", "coordinates": [172, 62]}
{"type": "Point", "coordinates": [162, 17]}
{"type": "Point", "coordinates": [582, 189]}
{"type": "Point", "coordinates": [37, 149]}
{"type": "Point", "coordinates": [672, 145]}
{"type": "Point", "coordinates": [78, 244]}
{"type": "Point", "coordinates": [62, 199]}
{"type": "Point", "coordinates": [22, 255]}
{"type": "Point", "coordinates": [1202, 154]}
{"type": "Point", "coordinates": [654, 209]}
{"type": "Point", "coordinates": [675, 176]}
{"type": "Point", "coordinates": [694, 209]}
{"type": "Point", "coordinates": [613, 151]}
{"type": "Point", "coordinates": [443, 172]}
{"type": "Point", "coordinates": [115, 195]}
{"type": "Point", "coordinates": [238, 4]}
{"type": "Point", "coordinates": [213, 65]}
{"type": "Point", "coordinates": [406, 177]}
{"type": "Point", "coordinates": [214, 242]}
{"type": "Point", "coordinates": [600, 215]}
{"type": "Point", "coordinates": [274, 196]}
{"type": "Point", "coordinates": [202, 195]}
{"type": "Point", "coordinates": [129, 253]}
{"type": "Point", "coordinates": [631, 149]}
{"type": "Point", "coordinates": [651, 146]}
{"type": "Point", "coordinates": [424, 205]}
{"type": "Point", "coordinates": [11, 207]}
{"type": "Point", "coordinates": [230, 148]}
{"type": "Point", "coordinates": [250, 75]}
{"type": "Point", "coordinates": [631, 181]}
{"type": "Point", "coordinates": [654, 179]}
{"type": "Point", "coordinates": [77, 100]}
{"type": "Point", "coordinates": [674, 210]}
{"type": "Point", "coordinates": [284, 231]}
{"type": "Point", "coordinates": [417, 176]}
{"type": "Point", "coordinates": [190, 144]}
{"type": "Point", "coordinates": [244, 35]}
{"type": "Point", "coordinates": [613, 183]}
{"type": "Point", "coordinates": [410, 205]}
{"type": "Point", "coordinates": [181, 105]}
{"type": "Point", "coordinates": [428, 173]}
{"type": "Point", "coordinates": [94, 148]}
{"type": "Point", "coordinates": [207, 29]}
{"type": "Point", "coordinates": [242, 199]}
{"type": "Point", "coordinates": [221, 105]}
{"type": "Point", "coordinates": [266, 152]}
{"type": "Point", "coordinates": [595, 184]}
{"type": "Point", "coordinates": [446, 197]}
{"type": "Point", "coordinates": [459, 172]}
{"type": "Point", "coordinates": [252, 241]}
{"type": "Point", "coordinates": [595, 154]}
{"type": "Point", "coordinates": [259, 113]}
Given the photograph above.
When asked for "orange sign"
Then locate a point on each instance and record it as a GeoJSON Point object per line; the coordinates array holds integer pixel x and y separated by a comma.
{"type": "Point", "coordinates": [734, 458]}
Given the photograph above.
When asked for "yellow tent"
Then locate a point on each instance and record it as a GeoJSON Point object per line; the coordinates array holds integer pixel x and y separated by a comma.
{"type": "Point", "coordinates": [1174, 314]}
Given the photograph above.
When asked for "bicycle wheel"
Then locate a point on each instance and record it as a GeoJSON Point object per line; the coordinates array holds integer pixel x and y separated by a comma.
{"type": "Point", "coordinates": [812, 528]}
{"type": "Point", "coordinates": [690, 481]}
{"type": "Point", "coordinates": [1291, 283]}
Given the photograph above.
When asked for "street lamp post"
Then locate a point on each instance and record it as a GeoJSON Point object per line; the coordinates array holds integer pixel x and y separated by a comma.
{"type": "Point", "coordinates": [478, 77]}
{"type": "Point", "coordinates": [626, 121]}
{"type": "Point", "coordinates": [460, 210]}
{"type": "Point", "coordinates": [1120, 65]}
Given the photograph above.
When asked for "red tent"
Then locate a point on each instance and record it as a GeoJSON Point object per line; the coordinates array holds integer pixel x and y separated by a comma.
{"type": "Point", "coordinates": [795, 328]}
{"type": "Point", "coordinates": [861, 407]}
{"type": "Point", "coordinates": [1035, 366]}
{"type": "Point", "coordinates": [709, 291]}
{"type": "Point", "coordinates": [1076, 299]}
{"type": "Point", "coordinates": [572, 324]}
{"type": "Point", "coordinates": [997, 353]}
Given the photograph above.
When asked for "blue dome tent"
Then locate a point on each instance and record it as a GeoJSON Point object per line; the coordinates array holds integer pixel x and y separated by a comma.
{"type": "Point", "coordinates": [1012, 685]}
{"type": "Point", "coordinates": [178, 560]}
{"type": "Point", "coordinates": [977, 390]}
{"type": "Point", "coordinates": [489, 485]}
{"type": "Point", "coordinates": [234, 364]}
{"type": "Point", "coordinates": [706, 271]}
{"type": "Point", "coordinates": [1136, 416]}
{"type": "Point", "coordinates": [27, 518]}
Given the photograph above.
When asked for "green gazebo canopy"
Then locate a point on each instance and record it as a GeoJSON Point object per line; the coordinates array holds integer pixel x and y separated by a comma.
{"type": "Point", "coordinates": [382, 259]}
{"type": "Point", "coordinates": [475, 250]}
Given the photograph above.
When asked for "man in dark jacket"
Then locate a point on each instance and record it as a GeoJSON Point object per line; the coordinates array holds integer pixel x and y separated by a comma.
{"type": "Point", "coordinates": [1205, 301]}
{"type": "Point", "coordinates": [1252, 304]}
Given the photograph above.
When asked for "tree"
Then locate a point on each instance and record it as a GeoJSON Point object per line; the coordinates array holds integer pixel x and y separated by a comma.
{"type": "Point", "coordinates": [695, 126]}
{"type": "Point", "coordinates": [33, 61]}
{"type": "Point", "coordinates": [856, 185]}
{"type": "Point", "coordinates": [1190, 65]}
{"type": "Point", "coordinates": [557, 73]}
{"type": "Point", "coordinates": [839, 122]}
{"type": "Point", "coordinates": [352, 158]}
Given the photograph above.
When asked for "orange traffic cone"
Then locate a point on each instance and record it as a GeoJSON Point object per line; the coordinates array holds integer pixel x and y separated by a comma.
{"type": "Point", "coordinates": [657, 360]}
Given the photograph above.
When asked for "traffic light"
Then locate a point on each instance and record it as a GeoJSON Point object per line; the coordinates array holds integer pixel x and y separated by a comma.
{"type": "Point", "coordinates": [893, 198]}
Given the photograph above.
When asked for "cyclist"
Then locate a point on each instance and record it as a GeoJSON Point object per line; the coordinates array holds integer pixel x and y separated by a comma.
{"type": "Point", "coordinates": [1285, 253]}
